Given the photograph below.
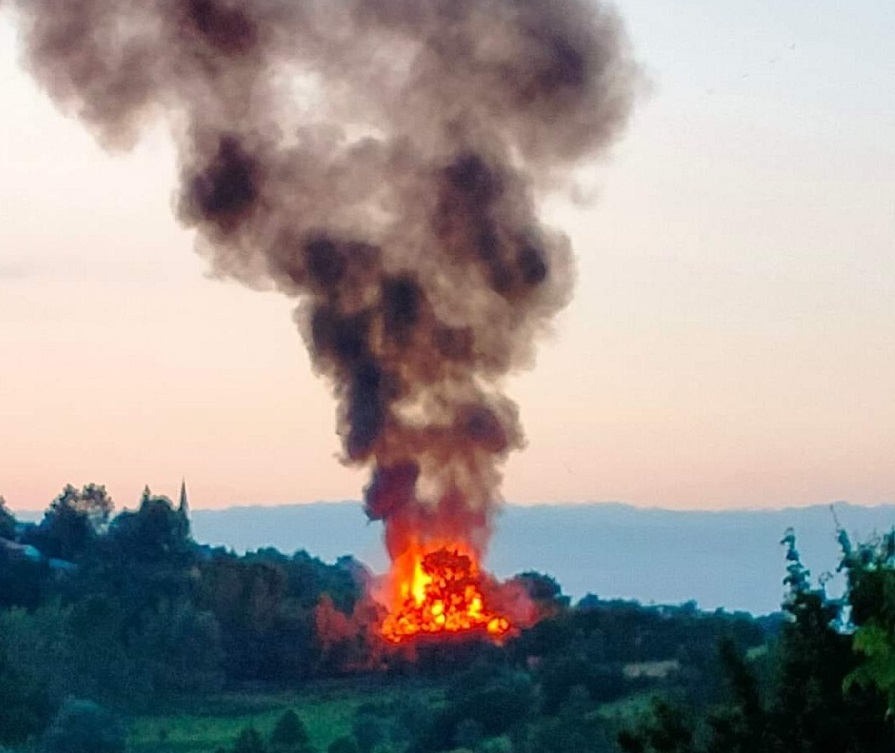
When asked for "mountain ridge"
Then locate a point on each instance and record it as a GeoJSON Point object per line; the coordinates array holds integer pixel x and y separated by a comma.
{"type": "Point", "coordinates": [728, 559]}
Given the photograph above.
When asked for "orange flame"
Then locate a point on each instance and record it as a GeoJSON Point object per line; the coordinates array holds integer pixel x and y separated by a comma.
{"type": "Point", "coordinates": [439, 592]}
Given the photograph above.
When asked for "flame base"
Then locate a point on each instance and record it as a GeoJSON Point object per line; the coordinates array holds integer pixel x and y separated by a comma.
{"type": "Point", "coordinates": [439, 593]}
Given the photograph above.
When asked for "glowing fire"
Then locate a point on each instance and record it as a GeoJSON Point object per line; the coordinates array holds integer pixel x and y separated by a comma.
{"type": "Point", "coordinates": [439, 592]}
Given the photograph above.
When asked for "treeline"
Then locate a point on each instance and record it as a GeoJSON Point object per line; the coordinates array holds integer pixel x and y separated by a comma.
{"type": "Point", "coordinates": [826, 685]}
{"type": "Point", "coordinates": [129, 612]}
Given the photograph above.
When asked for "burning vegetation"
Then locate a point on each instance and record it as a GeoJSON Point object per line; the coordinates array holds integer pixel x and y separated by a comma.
{"type": "Point", "coordinates": [441, 592]}
{"type": "Point", "coordinates": [380, 161]}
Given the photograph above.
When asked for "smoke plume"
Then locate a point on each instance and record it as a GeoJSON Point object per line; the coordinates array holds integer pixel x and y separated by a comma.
{"type": "Point", "coordinates": [379, 161]}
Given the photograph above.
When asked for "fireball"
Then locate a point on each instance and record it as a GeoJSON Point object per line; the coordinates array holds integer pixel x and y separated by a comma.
{"type": "Point", "coordinates": [440, 592]}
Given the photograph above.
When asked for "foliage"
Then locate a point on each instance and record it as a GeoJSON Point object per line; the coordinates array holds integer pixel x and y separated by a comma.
{"type": "Point", "coordinates": [821, 699]}
{"type": "Point", "coordinates": [368, 731]}
{"type": "Point", "coordinates": [495, 699]}
{"type": "Point", "coordinates": [871, 579]}
{"type": "Point", "coordinates": [290, 735]}
{"type": "Point", "coordinates": [180, 647]}
{"type": "Point", "coordinates": [249, 741]}
{"type": "Point", "coordinates": [142, 616]}
{"type": "Point", "coordinates": [344, 744]}
{"type": "Point", "coordinates": [156, 532]}
{"type": "Point", "coordinates": [572, 732]}
{"type": "Point", "coordinates": [7, 521]}
{"type": "Point", "coordinates": [668, 729]}
{"type": "Point", "coordinates": [72, 522]}
{"type": "Point", "coordinates": [84, 727]}
{"type": "Point", "coordinates": [25, 706]}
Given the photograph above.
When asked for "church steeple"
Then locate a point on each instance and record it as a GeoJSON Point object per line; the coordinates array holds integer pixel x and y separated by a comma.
{"type": "Point", "coordinates": [183, 508]}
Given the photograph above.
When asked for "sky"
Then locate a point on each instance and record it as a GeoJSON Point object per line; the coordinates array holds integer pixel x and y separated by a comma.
{"type": "Point", "coordinates": [731, 342]}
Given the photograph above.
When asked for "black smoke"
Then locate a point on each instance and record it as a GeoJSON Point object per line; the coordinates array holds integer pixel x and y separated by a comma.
{"type": "Point", "coordinates": [380, 161]}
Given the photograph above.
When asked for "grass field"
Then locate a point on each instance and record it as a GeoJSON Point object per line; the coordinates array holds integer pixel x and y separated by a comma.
{"type": "Point", "coordinates": [327, 709]}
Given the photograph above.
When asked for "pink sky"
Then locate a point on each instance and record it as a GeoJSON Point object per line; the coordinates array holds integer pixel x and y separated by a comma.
{"type": "Point", "coordinates": [731, 343]}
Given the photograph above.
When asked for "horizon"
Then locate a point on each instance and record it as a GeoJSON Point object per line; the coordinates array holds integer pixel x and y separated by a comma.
{"type": "Point", "coordinates": [730, 559]}
{"type": "Point", "coordinates": [546, 504]}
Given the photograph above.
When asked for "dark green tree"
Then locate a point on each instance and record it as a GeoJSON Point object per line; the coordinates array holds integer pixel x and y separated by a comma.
{"type": "Point", "coordinates": [249, 741]}
{"type": "Point", "coordinates": [814, 705]}
{"type": "Point", "coordinates": [813, 710]}
{"type": "Point", "coordinates": [669, 728]}
{"type": "Point", "coordinates": [741, 724]}
{"type": "Point", "coordinates": [290, 735]}
{"type": "Point", "coordinates": [7, 521]}
{"type": "Point", "coordinates": [582, 734]}
{"type": "Point", "coordinates": [247, 599]}
{"type": "Point", "coordinates": [870, 567]}
{"type": "Point", "coordinates": [25, 707]}
{"type": "Point", "coordinates": [155, 533]}
{"type": "Point", "coordinates": [344, 744]}
{"type": "Point", "coordinates": [369, 731]}
{"type": "Point", "coordinates": [179, 647]}
{"type": "Point", "coordinates": [73, 521]}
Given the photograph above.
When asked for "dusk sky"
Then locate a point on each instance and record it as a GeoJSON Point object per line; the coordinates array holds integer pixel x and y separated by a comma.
{"type": "Point", "coordinates": [731, 342]}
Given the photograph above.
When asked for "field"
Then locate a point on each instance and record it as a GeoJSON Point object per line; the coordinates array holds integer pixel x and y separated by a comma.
{"type": "Point", "coordinates": [326, 708]}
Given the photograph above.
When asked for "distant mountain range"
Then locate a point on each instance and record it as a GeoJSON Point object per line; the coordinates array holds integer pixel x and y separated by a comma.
{"type": "Point", "coordinates": [729, 559]}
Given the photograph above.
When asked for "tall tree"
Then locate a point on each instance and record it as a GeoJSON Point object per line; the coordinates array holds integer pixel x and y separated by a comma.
{"type": "Point", "coordinates": [871, 593]}
{"type": "Point", "coordinates": [290, 735]}
{"type": "Point", "coordinates": [7, 521]}
{"type": "Point", "coordinates": [249, 741]}
{"type": "Point", "coordinates": [813, 711]}
{"type": "Point", "coordinates": [73, 521]}
{"type": "Point", "coordinates": [156, 532]}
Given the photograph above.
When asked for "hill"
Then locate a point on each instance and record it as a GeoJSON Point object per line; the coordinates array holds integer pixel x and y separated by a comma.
{"type": "Point", "coordinates": [729, 559]}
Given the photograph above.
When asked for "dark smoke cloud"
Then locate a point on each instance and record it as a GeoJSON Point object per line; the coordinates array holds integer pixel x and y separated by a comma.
{"type": "Point", "coordinates": [379, 160]}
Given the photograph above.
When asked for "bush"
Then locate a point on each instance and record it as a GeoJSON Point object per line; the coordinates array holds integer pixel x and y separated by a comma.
{"type": "Point", "coordinates": [345, 744]}
{"type": "Point", "coordinates": [84, 727]}
{"type": "Point", "coordinates": [290, 735]}
{"type": "Point", "coordinates": [249, 741]}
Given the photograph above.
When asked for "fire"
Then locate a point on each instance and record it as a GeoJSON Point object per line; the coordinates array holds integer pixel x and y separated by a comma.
{"type": "Point", "coordinates": [439, 592]}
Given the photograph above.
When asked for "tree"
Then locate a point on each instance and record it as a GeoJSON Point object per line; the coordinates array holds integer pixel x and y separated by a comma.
{"type": "Point", "coordinates": [669, 729]}
{"type": "Point", "coordinates": [543, 590]}
{"type": "Point", "coordinates": [180, 647]}
{"type": "Point", "coordinates": [94, 501]}
{"type": "Point", "coordinates": [24, 705]}
{"type": "Point", "coordinates": [84, 727]}
{"type": "Point", "coordinates": [821, 699]}
{"type": "Point", "coordinates": [582, 734]}
{"type": "Point", "coordinates": [369, 731]}
{"type": "Point", "coordinates": [813, 708]}
{"type": "Point", "coordinates": [871, 593]}
{"type": "Point", "coordinates": [155, 533]}
{"type": "Point", "coordinates": [290, 735]}
{"type": "Point", "coordinates": [741, 725]}
{"type": "Point", "coordinates": [249, 741]}
{"type": "Point", "coordinates": [72, 521]}
{"type": "Point", "coordinates": [344, 744]}
{"type": "Point", "coordinates": [7, 521]}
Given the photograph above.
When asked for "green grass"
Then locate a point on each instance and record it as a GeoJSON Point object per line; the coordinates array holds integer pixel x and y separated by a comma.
{"type": "Point", "coordinates": [627, 709]}
{"type": "Point", "coordinates": [327, 709]}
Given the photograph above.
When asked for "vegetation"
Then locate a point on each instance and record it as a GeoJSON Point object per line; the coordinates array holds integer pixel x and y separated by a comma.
{"type": "Point", "coordinates": [826, 691]}
{"type": "Point", "coordinates": [122, 633]}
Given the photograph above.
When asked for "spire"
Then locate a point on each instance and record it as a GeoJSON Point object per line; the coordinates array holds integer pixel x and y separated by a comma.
{"type": "Point", "coordinates": [184, 507]}
{"type": "Point", "coordinates": [183, 512]}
